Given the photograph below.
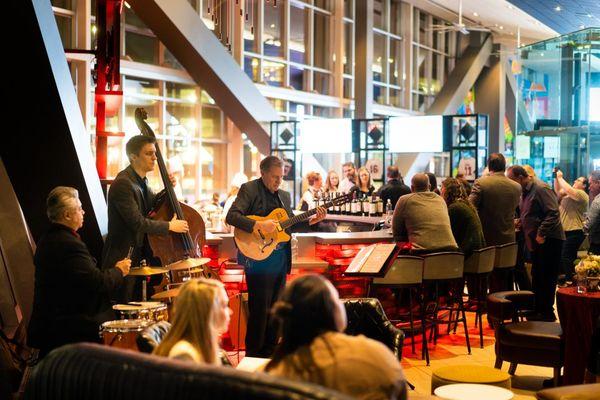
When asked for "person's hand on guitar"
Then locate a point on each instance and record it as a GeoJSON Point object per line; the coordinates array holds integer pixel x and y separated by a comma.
{"type": "Point", "coordinates": [319, 216]}
{"type": "Point", "coordinates": [178, 225]}
{"type": "Point", "coordinates": [266, 226]}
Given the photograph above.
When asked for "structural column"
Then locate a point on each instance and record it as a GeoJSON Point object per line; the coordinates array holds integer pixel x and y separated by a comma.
{"type": "Point", "coordinates": [363, 72]}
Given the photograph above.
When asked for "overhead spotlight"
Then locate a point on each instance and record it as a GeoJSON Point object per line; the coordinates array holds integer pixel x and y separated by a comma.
{"type": "Point", "coordinates": [501, 27]}
{"type": "Point", "coordinates": [475, 14]}
{"type": "Point", "coordinates": [581, 26]}
{"type": "Point", "coordinates": [557, 8]}
{"type": "Point", "coordinates": [511, 7]}
{"type": "Point", "coordinates": [590, 16]}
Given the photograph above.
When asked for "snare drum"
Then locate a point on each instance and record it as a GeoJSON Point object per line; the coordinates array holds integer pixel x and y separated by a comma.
{"type": "Point", "coordinates": [149, 310]}
{"type": "Point", "coordinates": [156, 310]}
{"type": "Point", "coordinates": [123, 333]}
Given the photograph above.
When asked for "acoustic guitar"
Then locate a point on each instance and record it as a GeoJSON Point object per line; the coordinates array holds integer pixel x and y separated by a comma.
{"type": "Point", "coordinates": [259, 245]}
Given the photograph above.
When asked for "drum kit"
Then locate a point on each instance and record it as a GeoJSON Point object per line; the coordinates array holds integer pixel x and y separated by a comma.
{"type": "Point", "coordinates": [137, 316]}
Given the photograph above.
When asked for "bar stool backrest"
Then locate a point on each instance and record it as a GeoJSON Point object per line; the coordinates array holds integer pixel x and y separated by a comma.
{"type": "Point", "coordinates": [405, 270]}
{"type": "Point", "coordinates": [506, 255]}
{"type": "Point", "coordinates": [481, 261]}
{"type": "Point", "coordinates": [442, 266]}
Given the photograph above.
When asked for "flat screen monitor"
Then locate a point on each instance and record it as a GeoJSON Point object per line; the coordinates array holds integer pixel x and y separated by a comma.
{"type": "Point", "coordinates": [422, 134]}
{"type": "Point", "coordinates": [326, 136]}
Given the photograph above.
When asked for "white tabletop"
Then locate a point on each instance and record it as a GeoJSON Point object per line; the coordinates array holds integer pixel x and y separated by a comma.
{"type": "Point", "coordinates": [472, 391]}
{"type": "Point", "coordinates": [252, 364]}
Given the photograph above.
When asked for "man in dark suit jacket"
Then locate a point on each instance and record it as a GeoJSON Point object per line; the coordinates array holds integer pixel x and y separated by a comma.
{"type": "Point", "coordinates": [265, 279]}
{"type": "Point", "coordinates": [394, 188]}
{"type": "Point", "coordinates": [71, 294]}
{"type": "Point", "coordinates": [130, 199]}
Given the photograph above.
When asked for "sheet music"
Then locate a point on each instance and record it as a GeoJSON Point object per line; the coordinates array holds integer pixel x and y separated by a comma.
{"type": "Point", "coordinates": [377, 258]}
{"type": "Point", "coordinates": [360, 259]}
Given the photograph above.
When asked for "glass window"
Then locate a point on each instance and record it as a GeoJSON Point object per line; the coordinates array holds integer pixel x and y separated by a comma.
{"type": "Point", "coordinates": [322, 82]}
{"type": "Point", "coordinates": [378, 57]}
{"type": "Point", "coordinates": [273, 17]}
{"type": "Point", "coordinates": [211, 122]}
{"type": "Point", "coordinates": [132, 19]}
{"type": "Point", "coordinates": [395, 97]}
{"type": "Point", "coordinates": [419, 102]}
{"type": "Point", "coordinates": [214, 170]}
{"type": "Point", "coordinates": [348, 47]}
{"type": "Point", "coordinates": [395, 17]}
{"type": "Point", "coordinates": [182, 92]}
{"type": "Point", "coordinates": [252, 68]}
{"type": "Point", "coordinates": [348, 86]}
{"type": "Point", "coordinates": [349, 9]}
{"type": "Point", "coordinates": [323, 112]}
{"type": "Point", "coordinates": [250, 22]}
{"type": "Point", "coordinates": [423, 28]}
{"type": "Point", "coordinates": [141, 48]}
{"type": "Point", "coordinates": [395, 62]}
{"type": "Point", "coordinates": [135, 85]}
{"type": "Point", "coordinates": [273, 73]}
{"type": "Point", "coordinates": [322, 52]}
{"type": "Point", "coordinates": [297, 78]}
{"type": "Point", "coordinates": [65, 25]}
{"type": "Point", "coordinates": [278, 104]}
{"type": "Point", "coordinates": [324, 4]}
{"type": "Point", "coordinates": [379, 94]}
{"type": "Point", "coordinates": [379, 15]}
{"type": "Point", "coordinates": [66, 4]}
{"type": "Point", "coordinates": [182, 161]}
{"type": "Point", "coordinates": [181, 120]}
{"type": "Point", "coordinates": [152, 107]}
{"type": "Point", "coordinates": [298, 37]}
{"type": "Point", "coordinates": [169, 60]}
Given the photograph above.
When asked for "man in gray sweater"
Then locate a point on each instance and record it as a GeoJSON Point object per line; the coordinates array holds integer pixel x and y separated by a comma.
{"type": "Point", "coordinates": [421, 218]}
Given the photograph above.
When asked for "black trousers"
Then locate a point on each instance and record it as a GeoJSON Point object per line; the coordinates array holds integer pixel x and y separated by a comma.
{"type": "Point", "coordinates": [569, 251]}
{"type": "Point", "coordinates": [266, 280]}
{"type": "Point", "coordinates": [544, 273]}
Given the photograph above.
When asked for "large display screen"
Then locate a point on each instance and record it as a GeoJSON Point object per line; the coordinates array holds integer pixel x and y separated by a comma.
{"type": "Point", "coordinates": [594, 109]}
{"type": "Point", "coordinates": [326, 136]}
{"type": "Point", "coordinates": [422, 134]}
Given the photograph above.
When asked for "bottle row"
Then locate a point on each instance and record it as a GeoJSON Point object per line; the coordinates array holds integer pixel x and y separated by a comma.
{"type": "Point", "coordinates": [366, 206]}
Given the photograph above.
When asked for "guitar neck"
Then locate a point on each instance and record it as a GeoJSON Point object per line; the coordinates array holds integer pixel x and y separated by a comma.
{"type": "Point", "coordinates": [304, 216]}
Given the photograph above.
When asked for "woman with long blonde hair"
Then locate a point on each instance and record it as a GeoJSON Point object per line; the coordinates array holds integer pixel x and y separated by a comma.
{"type": "Point", "coordinates": [201, 315]}
{"type": "Point", "coordinates": [364, 186]}
{"type": "Point", "coordinates": [332, 183]}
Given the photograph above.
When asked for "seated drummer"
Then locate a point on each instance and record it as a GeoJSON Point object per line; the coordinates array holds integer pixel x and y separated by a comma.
{"type": "Point", "coordinates": [71, 294]}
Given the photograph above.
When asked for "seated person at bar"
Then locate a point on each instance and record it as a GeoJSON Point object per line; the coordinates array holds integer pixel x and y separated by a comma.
{"type": "Point", "coordinates": [201, 315]}
{"type": "Point", "coordinates": [313, 348]}
{"type": "Point", "coordinates": [464, 221]}
{"type": "Point", "coordinates": [421, 218]}
{"type": "Point", "coordinates": [332, 183]}
{"type": "Point", "coordinates": [349, 172]}
{"type": "Point", "coordinates": [315, 186]}
{"type": "Point", "coordinates": [364, 187]}
{"type": "Point", "coordinates": [394, 188]}
{"type": "Point", "coordinates": [71, 294]}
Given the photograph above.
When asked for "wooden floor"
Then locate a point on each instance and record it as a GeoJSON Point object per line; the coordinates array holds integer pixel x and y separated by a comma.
{"type": "Point", "coordinates": [451, 350]}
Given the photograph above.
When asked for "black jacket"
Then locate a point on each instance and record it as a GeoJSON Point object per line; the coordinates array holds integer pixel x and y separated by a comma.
{"type": "Point", "coordinates": [71, 294]}
{"type": "Point", "coordinates": [251, 200]}
{"type": "Point", "coordinates": [393, 190]}
{"type": "Point", "coordinates": [127, 221]}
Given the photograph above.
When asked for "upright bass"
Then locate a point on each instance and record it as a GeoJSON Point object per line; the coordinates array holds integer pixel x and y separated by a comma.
{"type": "Point", "coordinates": [174, 247]}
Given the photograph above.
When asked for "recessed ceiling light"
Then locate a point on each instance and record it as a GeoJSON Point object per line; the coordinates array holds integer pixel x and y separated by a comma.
{"type": "Point", "coordinates": [581, 26]}
{"type": "Point", "coordinates": [475, 14]}
{"type": "Point", "coordinates": [557, 8]}
{"type": "Point", "coordinates": [510, 7]}
{"type": "Point", "coordinates": [501, 27]}
{"type": "Point", "coordinates": [590, 16]}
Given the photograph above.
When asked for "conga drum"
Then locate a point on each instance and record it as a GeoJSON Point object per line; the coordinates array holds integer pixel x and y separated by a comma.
{"type": "Point", "coordinates": [123, 333]}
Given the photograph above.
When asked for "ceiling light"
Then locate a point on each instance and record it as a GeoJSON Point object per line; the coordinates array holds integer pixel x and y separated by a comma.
{"type": "Point", "coordinates": [557, 8]}
{"type": "Point", "coordinates": [581, 26]}
{"type": "Point", "coordinates": [501, 27]}
{"type": "Point", "coordinates": [475, 14]}
{"type": "Point", "coordinates": [510, 7]}
{"type": "Point", "coordinates": [590, 16]}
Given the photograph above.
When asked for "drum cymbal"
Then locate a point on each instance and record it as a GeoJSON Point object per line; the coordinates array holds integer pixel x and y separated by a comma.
{"type": "Point", "coordinates": [188, 263]}
{"type": "Point", "coordinates": [146, 271]}
{"type": "Point", "coordinates": [167, 294]}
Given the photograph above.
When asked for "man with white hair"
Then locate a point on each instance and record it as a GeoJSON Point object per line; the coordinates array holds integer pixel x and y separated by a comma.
{"type": "Point", "coordinates": [71, 294]}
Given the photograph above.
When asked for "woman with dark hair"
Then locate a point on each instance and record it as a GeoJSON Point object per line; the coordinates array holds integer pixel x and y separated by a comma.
{"type": "Point", "coordinates": [464, 221]}
{"type": "Point", "coordinates": [573, 205]}
{"type": "Point", "coordinates": [311, 318]}
{"type": "Point", "coordinates": [433, 186]}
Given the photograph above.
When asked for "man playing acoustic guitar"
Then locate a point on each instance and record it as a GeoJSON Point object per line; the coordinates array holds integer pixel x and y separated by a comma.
{"type": "Point", "coordinates": [265, 278]}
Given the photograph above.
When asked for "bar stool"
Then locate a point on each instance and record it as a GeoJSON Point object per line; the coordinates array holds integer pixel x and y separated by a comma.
{"type": "Point", "coordinates": [504, 266]}
{"type": "Point", "coordinates": [405, 273]}
{"type": "Point", "coordinates": [444, 267]}
{"type": "Point", "coordinates": [478, 266]}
